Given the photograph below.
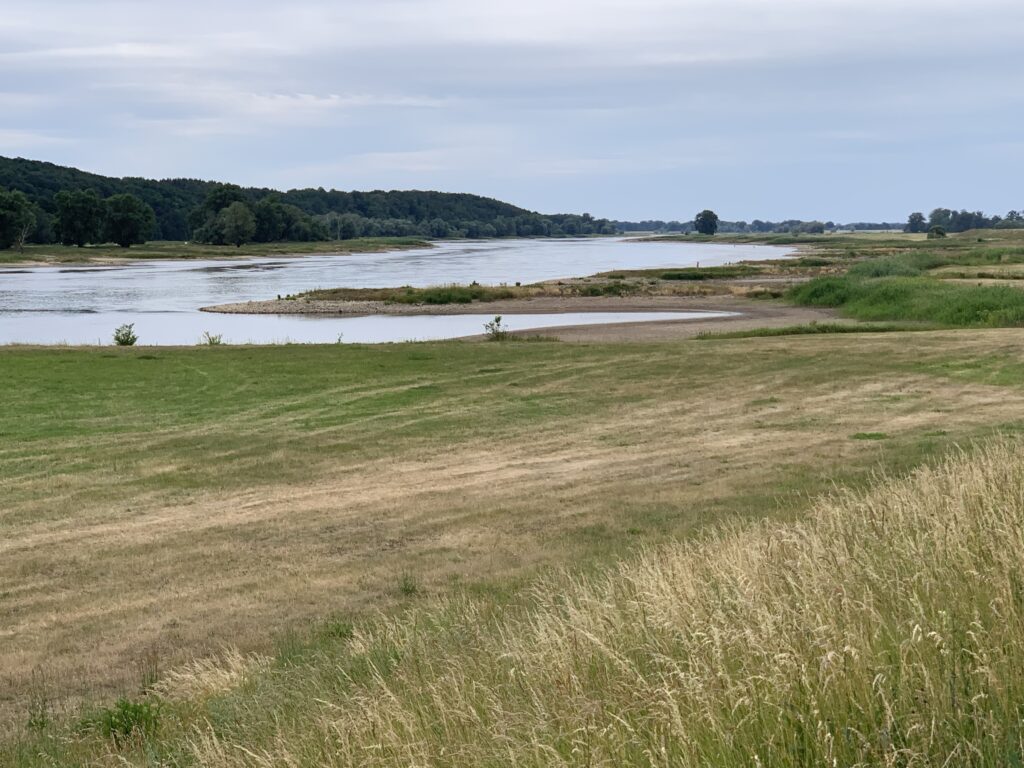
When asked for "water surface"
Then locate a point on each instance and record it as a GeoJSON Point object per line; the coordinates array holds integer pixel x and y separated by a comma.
{"type": "Point", "coordinates": [83, 304]}
{"type": "Point", "coordinates": [186, 328]}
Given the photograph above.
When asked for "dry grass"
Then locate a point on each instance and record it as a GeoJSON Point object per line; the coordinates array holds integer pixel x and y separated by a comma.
{"type": "Point", "coordinates": [137, 539]}
{"type": "Point", "coordinates": [884, 630]}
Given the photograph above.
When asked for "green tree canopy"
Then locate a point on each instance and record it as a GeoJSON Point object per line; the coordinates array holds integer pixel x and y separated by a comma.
{"type": "Point", "coordinates": [129, 220]}
{"type": "Point", "coordinates": [80, 215]}
{"type": "Point", "coordinates": [17, 219]}
{"type": "Point", "coordinates": [916, 222]}
{"type": "Point", "coordinates": [706, 222]}
{"type": "Point", "coordinates": [236, 224]}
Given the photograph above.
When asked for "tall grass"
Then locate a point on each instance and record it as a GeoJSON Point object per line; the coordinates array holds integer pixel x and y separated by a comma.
{"type": "Point", "coordinates": [920, 299]}
{"type": "Point", "coordinates": [899, 288]}
{"type": "Point", "coordinates": [887, 629]}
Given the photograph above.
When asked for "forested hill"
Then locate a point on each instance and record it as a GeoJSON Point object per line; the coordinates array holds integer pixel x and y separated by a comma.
{"type": "Point", "coordinates": [182, 207]}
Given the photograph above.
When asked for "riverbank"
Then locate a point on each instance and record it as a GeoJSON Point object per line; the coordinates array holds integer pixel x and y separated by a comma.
{"type": "Point", "coordinates": [746, 314]}
{"type": "Point", "coordinates": [161, 250]}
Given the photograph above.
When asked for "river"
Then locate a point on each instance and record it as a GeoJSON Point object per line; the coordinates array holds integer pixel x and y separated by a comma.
{"type": "Point", "coordinates": [83, 304]}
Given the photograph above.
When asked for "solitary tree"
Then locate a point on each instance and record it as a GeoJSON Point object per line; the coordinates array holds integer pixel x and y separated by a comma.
{"type": "Point", "coordinates": [129, 220]}
{"type": "Point", "coordinates": [706, 222]}
{"type": "Point", "coordinates": [16, 219]}
{"type": "Point", "coordinates": [237, 224]}
{"type": "Point", "coordinates": [80, 216]}
{"type": "Point", "coordinates": [916, 223]}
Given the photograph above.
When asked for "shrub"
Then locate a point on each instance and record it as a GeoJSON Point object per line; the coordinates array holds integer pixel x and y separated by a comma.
{"type": "Point", "coordinates": [211, 339]}
{"type": "Point", "coordinates": [124, 335]}
{"type": "Point", "coordinates": [495, 330]}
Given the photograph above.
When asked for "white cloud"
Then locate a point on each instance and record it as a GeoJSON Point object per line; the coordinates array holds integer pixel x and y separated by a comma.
{"type": "Point", "coordinates": [19, 140]}
{"type": "Point", "coordinates": [470, 93]}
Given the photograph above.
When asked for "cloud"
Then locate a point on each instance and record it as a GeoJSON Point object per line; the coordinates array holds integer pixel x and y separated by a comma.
{"type": "Point", "coordinates": [632, 105]}
{"type": "Point", "coordinates": [12, 141]}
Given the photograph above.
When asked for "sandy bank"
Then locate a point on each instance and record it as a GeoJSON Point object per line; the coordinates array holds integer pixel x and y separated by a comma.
{"type": "Point", "coordinates": [749, 313]}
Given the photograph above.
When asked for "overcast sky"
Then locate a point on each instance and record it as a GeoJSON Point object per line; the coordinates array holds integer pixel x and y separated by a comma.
{"type": "Point", "coordinates": [860, 110]}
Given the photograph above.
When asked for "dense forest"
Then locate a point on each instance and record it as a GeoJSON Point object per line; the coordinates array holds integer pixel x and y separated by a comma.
{"type": "Point", "coordinates": [187, 209]}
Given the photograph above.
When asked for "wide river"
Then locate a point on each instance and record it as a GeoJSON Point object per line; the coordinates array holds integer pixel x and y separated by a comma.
{"type": "Point", "coordinates": [83, 304]}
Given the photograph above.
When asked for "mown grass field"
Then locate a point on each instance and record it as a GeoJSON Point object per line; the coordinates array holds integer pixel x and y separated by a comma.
{"type": "Point", "coordinates": [164, 504]}
{"type": "Point", "coordinates": [172, 249]}
{"type": "Point", "coordinates": [882, 628]}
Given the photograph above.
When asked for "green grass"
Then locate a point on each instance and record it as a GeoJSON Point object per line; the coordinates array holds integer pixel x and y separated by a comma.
{"type": "Point", "coordinates": [712, 273]}
{"type": "Point", "coordinates": [916, 299]}
{"type": "Point", "coordinates": [803, 330]}
{"type": "Point", "coordinates": [406, 474]}
{"type": "Point", "coordinates": [165, 249]}
{"type": "Point", "coordinates": [902, 287]}
{"type": "Point", "coordinates": [439, 294]}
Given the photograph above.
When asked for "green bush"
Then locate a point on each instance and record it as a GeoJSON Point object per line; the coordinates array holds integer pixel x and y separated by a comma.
{"type": "Point", "coordinates": [450, 294]}
{"type": "Point", "coordinates": [124, 335]}
{"type": "Point", "coordinates": [126, 720]}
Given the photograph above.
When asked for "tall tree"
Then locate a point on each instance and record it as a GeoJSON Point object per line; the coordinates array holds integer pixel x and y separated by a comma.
{"type": "Point", "coordinates": [80, 215]}
{"type": "Point", "coordinates": [706, 222]}
{"type": "Point", "coordinates": [237, 224]}
{"type": "Point", "coordinates": [940, 217]}
{"type": "Point", "coordinates": [16, 219]}
{"type": "Point", "coordinates": [129, 220]}
{"type": "Point", "coordinates": [916, 222]}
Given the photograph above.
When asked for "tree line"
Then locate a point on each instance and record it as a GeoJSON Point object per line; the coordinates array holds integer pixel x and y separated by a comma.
{"type": "Point", "coordinates": [191, 209]}
{"type": "Point", "coordinates": [81, 217]}
{"type": "Point", "coordinates": [943, 220]}
{"type": "Point", "coordinates": [755, 227]}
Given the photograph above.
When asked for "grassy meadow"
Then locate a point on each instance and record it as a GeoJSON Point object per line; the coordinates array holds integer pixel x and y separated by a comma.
{"type": "Point", "coordinates": [882, 628]}
{"type": "Point", "coordinates": [253, 509]}
{"type": "Point", "coordinates": [173, 249]}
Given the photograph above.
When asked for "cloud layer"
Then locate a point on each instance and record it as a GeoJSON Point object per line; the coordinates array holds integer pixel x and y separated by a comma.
{"type": "Point", "coordinates": [649, 108]}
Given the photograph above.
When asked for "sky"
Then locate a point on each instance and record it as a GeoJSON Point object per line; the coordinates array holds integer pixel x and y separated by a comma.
{"type": "Point", "coordinates": [646, 109]}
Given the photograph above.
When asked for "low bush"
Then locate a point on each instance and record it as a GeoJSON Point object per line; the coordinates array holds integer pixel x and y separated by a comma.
{"type": "Point", "coordinates": [125, 721]}
{"type": "Point", "coordinates": [125, 336]}
{"type": "Point", "coordinates": [495, 330]}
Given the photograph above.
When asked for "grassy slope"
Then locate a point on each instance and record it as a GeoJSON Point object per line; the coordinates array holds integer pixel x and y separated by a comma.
{"type": "Point", "coordinates": [915, 285]}
{"type": "Point", "coordinates": [160, 503]}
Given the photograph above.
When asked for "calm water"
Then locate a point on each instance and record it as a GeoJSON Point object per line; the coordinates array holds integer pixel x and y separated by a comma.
{"type": "Point", "coordinates": [82, 305]}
